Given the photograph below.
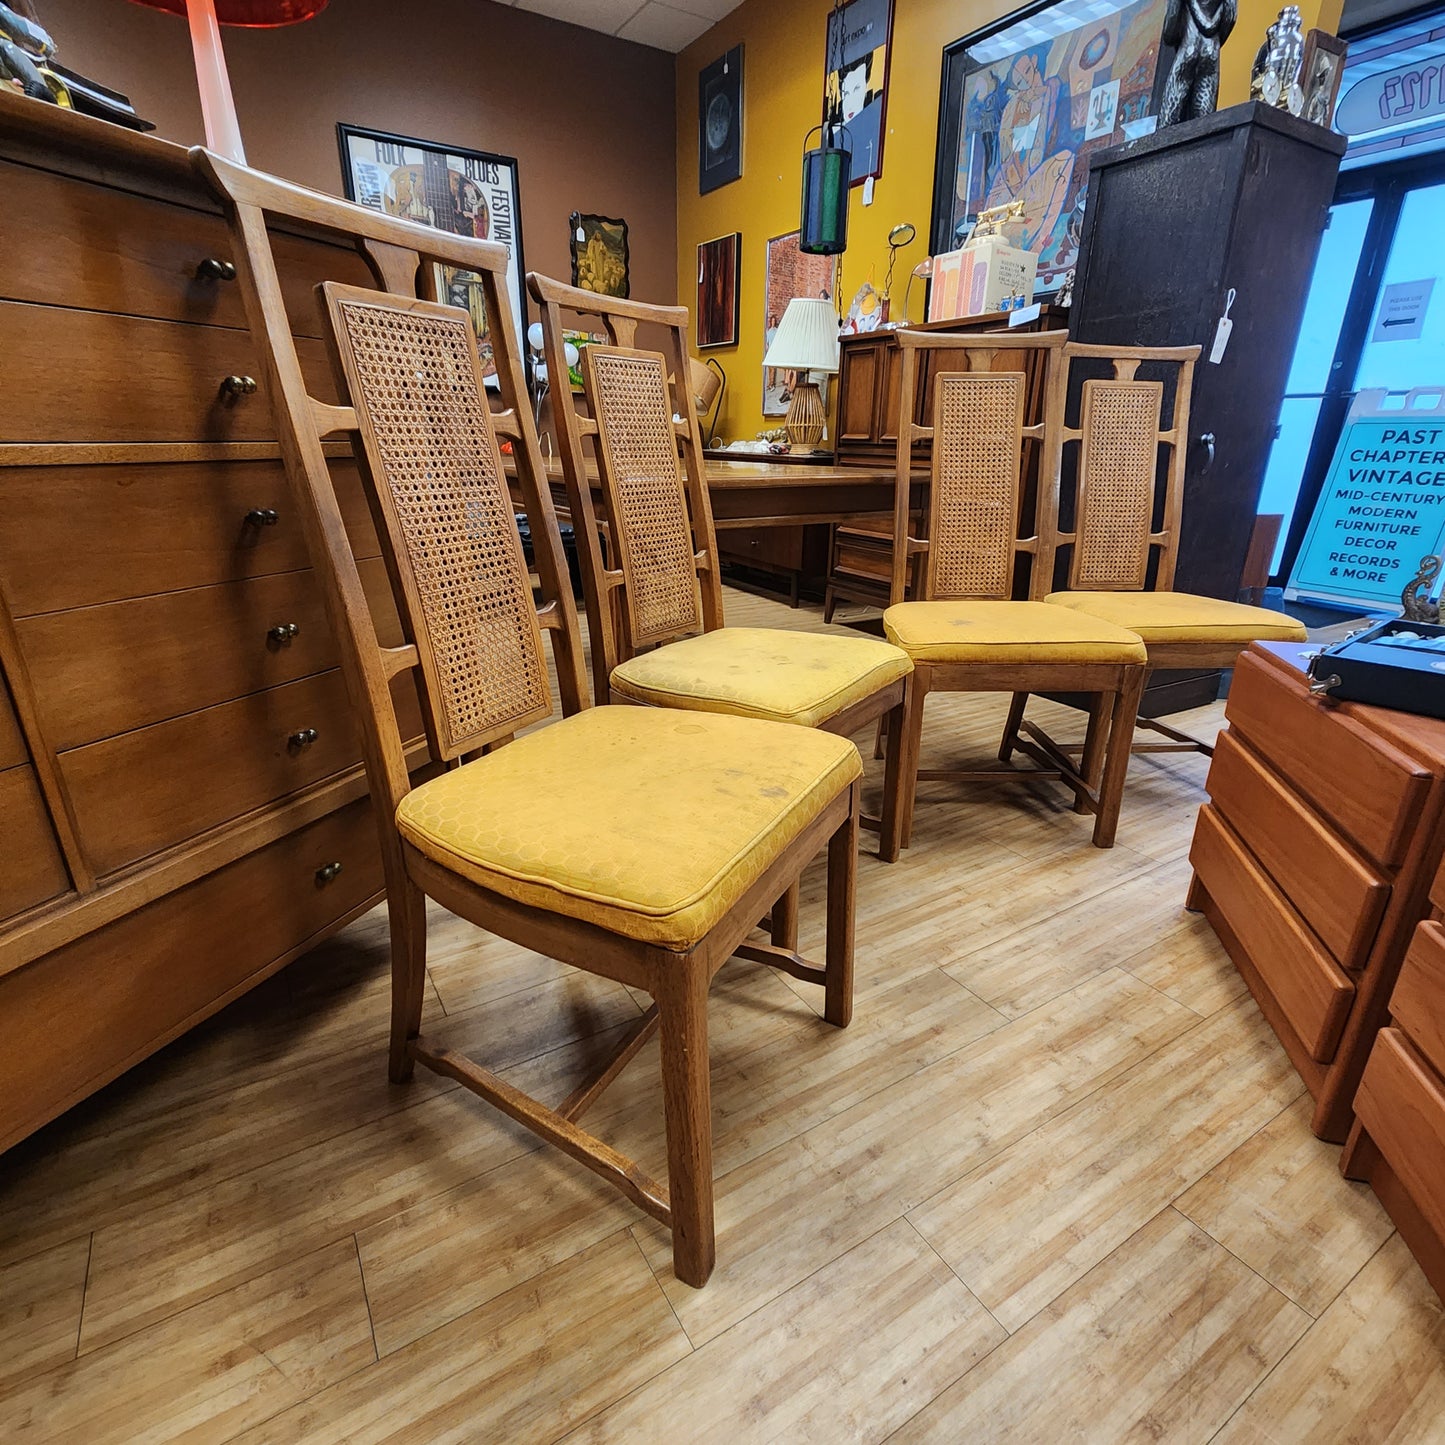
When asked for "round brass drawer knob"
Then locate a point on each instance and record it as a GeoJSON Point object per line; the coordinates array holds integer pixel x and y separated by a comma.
{"type": "Point", "coordinates": [215, 269]}
{"type": "Point", "coordinates": [299, 741]}
{"type": "Point", "coordinates": [239, 386]}
{"type": "Point", "coordinates": [327, 873]}
{"type": "Point", "coordinates": [262, 517]}
{"type": "Point", "coordinates": [283, 632]}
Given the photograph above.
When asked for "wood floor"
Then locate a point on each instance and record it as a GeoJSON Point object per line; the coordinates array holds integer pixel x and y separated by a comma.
{"type": "Point", "coordinates": [1055, 1183]}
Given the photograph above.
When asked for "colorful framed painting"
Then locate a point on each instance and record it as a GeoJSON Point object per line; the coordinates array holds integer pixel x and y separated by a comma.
{"type": "Point", "coordinates": [720, 122]}
{"type": "Point", "coordinates": [1024, 104]}
{"type": "Point", "coordinates": [855, 89]}
{"type": "Point", "coordinates": [600, 258]}
{"type": "Point", "coordinates": [719, 268]}
{"type": "Point", "coordinates": [790, 273]}
{"type": "Point", "coordinates": [467, 192]}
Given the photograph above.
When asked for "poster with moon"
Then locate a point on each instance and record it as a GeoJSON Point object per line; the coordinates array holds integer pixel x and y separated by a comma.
{"type": "Point", "coordinates": [720, 121]}
{"type": "Point", "coordinates": [1029, 118]}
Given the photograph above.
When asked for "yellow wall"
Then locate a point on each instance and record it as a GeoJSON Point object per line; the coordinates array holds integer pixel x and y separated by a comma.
{"type": "Point", "coordinates": [783, 90]}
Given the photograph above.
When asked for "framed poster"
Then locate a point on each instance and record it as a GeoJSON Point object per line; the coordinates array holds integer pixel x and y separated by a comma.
{"type": "Point", "coordinates": [1024, 104]}
{"type": "Point", "coordinates": [720, 122]}
{"type": "Point", "coordinates": [791, 273]}
{"type": "Point", "coordinates": [600, 259]}
{"type": "Point", "coordinates": [855, 89]}
{"type": "Point", "coordinates": [719, 265]}
{"type": "Point", "coordinates": [466, 192]}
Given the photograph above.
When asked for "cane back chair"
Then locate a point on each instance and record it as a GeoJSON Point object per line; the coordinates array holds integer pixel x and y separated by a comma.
{"type": "Point", "coordinates": [656, 612]}
{"type": "Point", "coordinates": [1123, 502]}
{"type": "Point", "coordinates": [618, 840]}
{"type": "Point", "coordinates": [967, 633]}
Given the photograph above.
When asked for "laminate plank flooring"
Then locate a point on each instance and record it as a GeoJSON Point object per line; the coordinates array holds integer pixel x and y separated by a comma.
{"type": "Point", "coordinates": [1054, 1183]}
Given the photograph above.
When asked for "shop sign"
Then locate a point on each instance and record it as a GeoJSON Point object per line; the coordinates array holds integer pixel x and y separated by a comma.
{"type": "Point", "coordinates": [1402, 96]}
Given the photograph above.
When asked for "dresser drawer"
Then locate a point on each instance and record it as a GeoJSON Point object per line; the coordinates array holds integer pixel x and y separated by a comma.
{"type": "Point", "coordinates": [146, 790]}
{"type": "Point", "coordinates": [73, 536]}
{"type": "Point", "coordinates": [1314, 993]}
{"type": "Point", "coordinates": [95, 1007]}
{"type": "Point", "coordinates": [762, 546]}
{"type": "Point", "coordinates": [99, 671]}
{"type": "Point", "coordinates": [1401, 1103]}
{"type": "Point", "coordinates": [1418, 1002]}
{"type": "Point", "coordinates": [33, 870]}
{"type": "Point", "coordinates": [1370, 791]}
{"type": "Point", "coordinates": [12, 742]}
{"type": "Point", "coordinates": [1333, 889]}
{"type": "Point", "coordinates": [66, 243]}
{"type": "Point", "coordinates": [87, 376]}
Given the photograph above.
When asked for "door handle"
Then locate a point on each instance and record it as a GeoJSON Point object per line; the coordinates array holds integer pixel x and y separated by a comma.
{"type": "Point", "coordinates": [1207, 442]}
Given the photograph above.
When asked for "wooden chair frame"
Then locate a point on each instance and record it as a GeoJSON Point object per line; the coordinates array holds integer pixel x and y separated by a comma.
{"type": "Point", "coordinates": [611, 612]}
{"type": "Point", "coordinates": [400, 256]}
{"type": "Point", "coordinates": [1097, 779]}
{"type": "Point", "coordinates": [1161, 542]}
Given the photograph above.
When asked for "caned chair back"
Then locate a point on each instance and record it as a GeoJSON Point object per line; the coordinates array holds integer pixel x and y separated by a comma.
{"type": "Point", "coordinates": [432, 468]}
{"type": "Point", "coordinates": [1121, 465]}
{"type": "Point", "coordinates": [658, 577]}
{"type": "Point", "coordinates": [979, 517]}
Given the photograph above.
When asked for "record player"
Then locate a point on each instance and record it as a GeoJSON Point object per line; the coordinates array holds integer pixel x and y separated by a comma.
{"type": "Point", "coordinates": [1396, 664]}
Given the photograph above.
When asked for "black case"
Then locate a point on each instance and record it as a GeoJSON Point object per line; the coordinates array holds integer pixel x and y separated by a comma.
{"type": "Point", "coordinates": [1408, 679]}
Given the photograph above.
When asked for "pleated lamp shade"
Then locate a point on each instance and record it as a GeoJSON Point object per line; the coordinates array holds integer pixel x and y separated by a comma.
{"type": "Point", "coordinates": [807, 340]}
{"type": "Point", "coordinates": [218, 109]}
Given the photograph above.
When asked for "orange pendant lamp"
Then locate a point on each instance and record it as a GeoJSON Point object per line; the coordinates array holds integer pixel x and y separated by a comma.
{"type": "Point", "coordinates": [218, 109]}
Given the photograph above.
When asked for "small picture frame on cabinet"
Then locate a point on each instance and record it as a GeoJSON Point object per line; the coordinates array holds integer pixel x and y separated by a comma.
{"type": "Point", "coordinates": [1321, 69]}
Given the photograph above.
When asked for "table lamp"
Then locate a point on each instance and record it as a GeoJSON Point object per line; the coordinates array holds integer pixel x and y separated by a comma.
{"type": "Point", "coordinates": [807, 340]}
{"type": "Point", "coordinates": [218, 109]}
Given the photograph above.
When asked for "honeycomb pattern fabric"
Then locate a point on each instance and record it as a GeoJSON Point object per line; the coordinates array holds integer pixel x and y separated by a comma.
{"type": "Point", "coordinates": [1118, 463]}
{"type": "Point", "coordinates": [1183, 617]}
{"type": "Point", "coordinates": [794, 677]}
{"type": "Point", "coordinates": [435, 454]}
{"type": "Point", "coordinates": [648, 823]}
{"type": "Point", "coordinates": [977, 421]}
{"type": "Point", "coordinates": [646, 500]}
{"type": "Point", "coordinates": [1006, 632]}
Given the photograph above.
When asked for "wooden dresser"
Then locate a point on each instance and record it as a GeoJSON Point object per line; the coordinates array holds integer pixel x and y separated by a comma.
{"type": "Point", "coordinates": [181, 800]}
{"type": "Point", "coordinates": [1314, 859]}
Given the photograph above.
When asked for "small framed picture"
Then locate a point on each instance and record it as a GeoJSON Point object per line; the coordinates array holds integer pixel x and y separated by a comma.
{"type": "Point", "coordinates": [719, 265]}
{"type": "Point", "coordinates": [601, 261]}
{"type": "Point", "coordinates": [1320, 72]}
{"type": "Point", "coordinates": [720, 122]}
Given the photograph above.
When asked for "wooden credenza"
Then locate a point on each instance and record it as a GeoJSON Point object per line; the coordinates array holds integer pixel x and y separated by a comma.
{"type": "Point", "coordinates": [181, 802]}
{"type": "Point", "coordinates": [1314, 859]}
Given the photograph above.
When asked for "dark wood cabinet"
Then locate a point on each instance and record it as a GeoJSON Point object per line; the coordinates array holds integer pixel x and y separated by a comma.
{"type": "Point", "coordinates": [1176, 222]}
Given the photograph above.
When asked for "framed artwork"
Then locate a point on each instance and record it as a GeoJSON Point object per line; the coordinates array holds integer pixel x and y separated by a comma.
{"type": "Point", "coordinates": [855, 90]}
{"type": "Point", "coordinates": [600, 260]}
{"type": "Point", "coordinates": [1024, 103]}
{"type": "Point", "coordinates": [1320, 73]}
{"type": "Point", "coordinates": [790, 273]}
{"type": "Point", "coordinates": [719, 266]}
{"type": "Point", "coordinates": [466, 192]}
{"type": "Point", "coordinates": [720, 122]}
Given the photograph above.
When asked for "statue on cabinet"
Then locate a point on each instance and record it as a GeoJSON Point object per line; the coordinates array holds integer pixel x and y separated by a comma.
{"type": "Point", "coordinates": [1196, 29]}
{"type": "Point", "coordinates": [1416, 603]}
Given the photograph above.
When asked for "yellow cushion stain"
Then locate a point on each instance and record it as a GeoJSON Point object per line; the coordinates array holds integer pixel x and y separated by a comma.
{"type": "Point", "coordinates": [646, 823]}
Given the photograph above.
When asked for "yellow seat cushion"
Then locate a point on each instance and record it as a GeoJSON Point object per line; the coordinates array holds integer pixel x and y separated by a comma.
{"type": "Point", "coordinates": [646, 823]}
{"type": "Point", "coordinates": [1004, 632]}
{"type": "Point", "coordinates": [794, 677]}
{"type": "Point", "coordinates": [1183, 617]}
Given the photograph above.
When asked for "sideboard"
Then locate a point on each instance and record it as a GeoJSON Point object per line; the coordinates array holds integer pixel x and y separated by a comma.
{"type": "Point", "coordinates": [181, 798]}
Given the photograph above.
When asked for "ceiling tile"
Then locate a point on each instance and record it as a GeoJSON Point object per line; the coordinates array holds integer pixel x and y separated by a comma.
{"type": "Point", "coordinates": [605, 15]}
{"type": "Point", "coordinates": [662, 26]}
{"type": "Point", "coordinates": [713, 9]}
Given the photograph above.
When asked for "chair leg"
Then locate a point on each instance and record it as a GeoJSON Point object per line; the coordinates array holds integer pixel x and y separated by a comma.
{"type": "Point", "coordinates": [880, 739]}
{"type": "Point", "coordinates": [1017, 704]}
{"type": "Point", "coordinates": [783, 924]}
{"type": "Point", "coordinates": [406, 907]}
{"type": "Point", "coordinates": [830, 603]}
{"type": "Point", "coordinates": [1096, 737]}
{"type": "Point", "coordinates": [842, 885]}
{"type": "Point", "coordinates": [687, 1107]}
{"type": "Point", "coordinates": [915, 692]}
{"type": "Point", "coordinates": [1116, 763]}
{"type": "Point", "coordinates": [890, 829]}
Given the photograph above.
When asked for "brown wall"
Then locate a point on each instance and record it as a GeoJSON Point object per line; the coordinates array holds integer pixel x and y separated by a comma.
{"type": "Point", "coordinates": [589, 118]}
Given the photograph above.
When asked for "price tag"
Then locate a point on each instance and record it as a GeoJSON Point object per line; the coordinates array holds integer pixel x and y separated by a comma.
{"type": "Point", "coordinates": [1222, 331]}
{"type": "Point", "coordinates": [1023, 314]}
{"type": "Point", "coordinates": [868, 191]}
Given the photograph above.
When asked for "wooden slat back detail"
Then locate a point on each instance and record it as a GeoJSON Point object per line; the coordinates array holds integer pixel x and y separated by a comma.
{"type": "Point", "coordinates": [451, 535]}
{"type": "Point", "coordinates": [643, 486]}
{"type": "Point", "coordinates": [1118, 459]}
{"type": "Point", "coordinates": [978, 419]}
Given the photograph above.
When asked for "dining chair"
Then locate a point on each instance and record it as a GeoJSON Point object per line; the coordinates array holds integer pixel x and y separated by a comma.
{"type": "Point", "coordinates": [654, 597]}
{"type": "Point", "coordinates": [1122, 480]}
{"type": "Point", "coordinates": [969, 632]}
{"type": "Point", "coordinates": [629, 842]}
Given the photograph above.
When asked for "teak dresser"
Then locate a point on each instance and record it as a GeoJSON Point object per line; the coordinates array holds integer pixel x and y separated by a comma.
{"type": "Point", "coordinates": [1314, 860]}
{"type": "Point", "coordinates": [181, 803]}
